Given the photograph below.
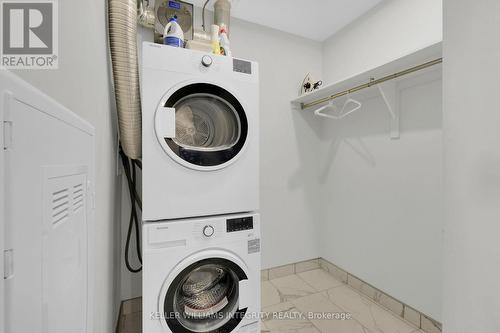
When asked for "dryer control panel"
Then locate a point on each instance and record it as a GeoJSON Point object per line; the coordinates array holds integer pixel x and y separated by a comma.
{"type": "Point", "coordinates": [239, 224]}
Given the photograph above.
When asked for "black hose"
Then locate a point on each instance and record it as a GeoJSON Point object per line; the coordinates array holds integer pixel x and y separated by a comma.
{"type": "Point", "coordinates": [138, 163]}
{"type": "Point", "coordinates": [137, 226]}
{"type": "Point", "coordinates": [133, 221]}
{"type": "Point", "coordinates": [203, 15]}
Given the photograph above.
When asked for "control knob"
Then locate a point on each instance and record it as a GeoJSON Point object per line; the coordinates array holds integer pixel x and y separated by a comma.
{"type": "Point", "coordinates": [206, 61]}
{"type": "Point", "coordinates": [208, 231]}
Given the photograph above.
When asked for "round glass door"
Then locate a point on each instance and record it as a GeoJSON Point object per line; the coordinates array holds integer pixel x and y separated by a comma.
{"type": "Point", "coordinates": [211, 126]}
{"type": "Point", "coordinates": [204, 298]}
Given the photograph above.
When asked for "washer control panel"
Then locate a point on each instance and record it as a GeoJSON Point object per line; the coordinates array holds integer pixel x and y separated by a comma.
{"type": "Point", "coordinates": [239, 224]}
{"type": "Point", "coordinates": [202, 231]}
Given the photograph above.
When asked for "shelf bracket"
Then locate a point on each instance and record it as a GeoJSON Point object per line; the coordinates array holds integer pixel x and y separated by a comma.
{"type": "Point", "coordinates": [389, 92]}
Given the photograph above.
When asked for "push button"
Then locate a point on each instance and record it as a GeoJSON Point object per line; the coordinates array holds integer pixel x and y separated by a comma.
{"type": "Point", "coordinates": [208, 231]}
{"type": "Point", "coordinates": [206, 61]}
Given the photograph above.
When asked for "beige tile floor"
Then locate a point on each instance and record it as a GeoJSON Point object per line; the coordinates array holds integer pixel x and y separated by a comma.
{"type": "Point", "coordinates": [314, 301]}
{"type": "Point", "coordinates": [309, 302]}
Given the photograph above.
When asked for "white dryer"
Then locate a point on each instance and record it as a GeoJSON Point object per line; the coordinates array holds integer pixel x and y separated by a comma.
{"type": "Point", "coordinates": [200, 133]}
{"type": "Point", "coordinates": [202, 275]}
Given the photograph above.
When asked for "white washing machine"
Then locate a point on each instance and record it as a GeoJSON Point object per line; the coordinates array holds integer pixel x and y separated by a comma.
{"type": "Point", "coordinates": [202, 275]}
{"type": "Point", "coordinates": [200, 133]}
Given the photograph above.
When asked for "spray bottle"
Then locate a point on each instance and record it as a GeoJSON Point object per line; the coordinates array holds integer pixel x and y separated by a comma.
{"type": "Point", "coordinates": [173, 35]}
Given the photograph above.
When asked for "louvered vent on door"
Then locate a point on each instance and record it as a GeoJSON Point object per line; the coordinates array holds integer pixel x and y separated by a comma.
{"type": "Point", "coordinates": [60, 206]}
{"type": "Point", "coordinates": [66, 195]}
{"type": "Point", "coordinates": [61, 200]}
{"type": "Point", "coordinates": [78, 196]}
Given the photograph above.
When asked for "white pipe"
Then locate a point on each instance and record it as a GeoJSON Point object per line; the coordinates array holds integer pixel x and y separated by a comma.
{"type": "Point", "coordinates": [222, 13]}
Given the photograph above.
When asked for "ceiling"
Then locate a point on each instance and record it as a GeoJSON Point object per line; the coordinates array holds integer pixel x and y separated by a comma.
{"type": "Point", "coordinates": [313, 19]}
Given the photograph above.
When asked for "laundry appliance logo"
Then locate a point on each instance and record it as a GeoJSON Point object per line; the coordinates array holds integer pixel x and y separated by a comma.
{"type": "Point", "coordinates": [29, 34]}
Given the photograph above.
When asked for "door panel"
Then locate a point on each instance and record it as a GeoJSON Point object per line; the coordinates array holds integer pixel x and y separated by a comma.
{"type": "Point", "coordinates": [204, 297]}
{"type": "Point", "coordinates": [47, 213]}
{"type": "Point", "coordinates": [211, 127]}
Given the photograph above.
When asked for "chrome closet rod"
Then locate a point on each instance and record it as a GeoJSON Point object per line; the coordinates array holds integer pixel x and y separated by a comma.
{"type": "Point", "coordinates": [372, 83]}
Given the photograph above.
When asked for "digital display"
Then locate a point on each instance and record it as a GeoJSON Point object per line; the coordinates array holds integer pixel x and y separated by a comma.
{"type": "Point", "coordinates": [175, 5]}
{"type": "Point", "coordinates": [239, 224]}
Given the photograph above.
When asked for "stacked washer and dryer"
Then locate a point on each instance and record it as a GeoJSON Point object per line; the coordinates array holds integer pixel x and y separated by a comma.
{"type": "Point", "coordinates": [201, 229]}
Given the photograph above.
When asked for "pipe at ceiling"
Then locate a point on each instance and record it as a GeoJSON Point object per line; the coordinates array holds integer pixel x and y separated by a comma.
{"type": "Point", "coordinates": [222, 13]}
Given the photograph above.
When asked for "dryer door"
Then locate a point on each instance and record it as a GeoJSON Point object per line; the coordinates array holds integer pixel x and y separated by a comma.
{"type": "Point", "coordinates": [204, 297]}
{"type": "Point", "coordinates": [211, 127]}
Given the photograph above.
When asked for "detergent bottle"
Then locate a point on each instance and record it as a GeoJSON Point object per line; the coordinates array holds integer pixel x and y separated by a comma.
{"type": "Point", "coordinates": [225, 48]}
{"type": "Point", "coordinates": [173, 35]}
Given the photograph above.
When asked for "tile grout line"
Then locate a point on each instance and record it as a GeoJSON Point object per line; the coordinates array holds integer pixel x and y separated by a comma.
{"type": "Point", "coordinates": [303, 280]}
{"type": "Point", "coordinates": [342, 308]}
{"type": "Point", "coordinates": [321, 292]}
{"type": "Point", "coordinates": [371, 301]}
{"type": "Point", "coordinates": [378, 291]}
{"type": "Point", "coordinates": [279, 294]}
{"type": "Point", "coordinates": [317, 292]}
{"type": "Point", "coordinates": [295, 306]}
{"type": "Point", "coordinates": [314, 325]}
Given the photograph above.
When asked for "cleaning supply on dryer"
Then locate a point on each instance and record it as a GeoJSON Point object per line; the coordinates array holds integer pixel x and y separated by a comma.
{"type": "Point", "coordinates": [225, 47]}
{"type": "Point", "coordinates": [215, 39]}
{"type": "Point", "coordinates": [173, 35]}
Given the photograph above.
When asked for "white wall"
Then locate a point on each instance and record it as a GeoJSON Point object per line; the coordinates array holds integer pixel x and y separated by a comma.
{"type": "Point", "coordinates": [472, 166]}
{"type": "Point", "coordinates": [289, 187]}
{"type": "Point", "coordinates": [389, 31]}
{"type": "Point", "coordinates": [82, 83]}
{"type": "Point", "coordinates": [383, 198]}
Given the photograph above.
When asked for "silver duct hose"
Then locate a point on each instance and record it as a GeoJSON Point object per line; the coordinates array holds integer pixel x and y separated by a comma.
{"type": "Point", "coordinates": [123, 44]}
{"type": "Point", "coordinates": [222, 13]}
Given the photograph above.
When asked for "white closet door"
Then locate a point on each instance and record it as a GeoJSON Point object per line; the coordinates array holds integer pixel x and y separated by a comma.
{"type": "Point", "coordinates": [48, 212]}
{"type": "Point", "coordinates": [2, 217]}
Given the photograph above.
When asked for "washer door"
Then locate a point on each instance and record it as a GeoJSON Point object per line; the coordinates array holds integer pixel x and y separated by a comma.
{"type": "Point", "coordinates": [211, 127]}
{"type": "Point", "coordinates": [204, 297]}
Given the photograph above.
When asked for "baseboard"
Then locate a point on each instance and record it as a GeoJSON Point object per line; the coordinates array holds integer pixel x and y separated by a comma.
{"type": "Point", "coordinates": [280, 271]}
{"type": "Point", "coordinates": [400, 309]}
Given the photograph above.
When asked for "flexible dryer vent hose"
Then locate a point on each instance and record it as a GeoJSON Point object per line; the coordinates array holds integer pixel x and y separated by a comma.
{"type": "Point", "coordinates": [123, 44]}
{"type": "Point", "coordinates": [222, 13]}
